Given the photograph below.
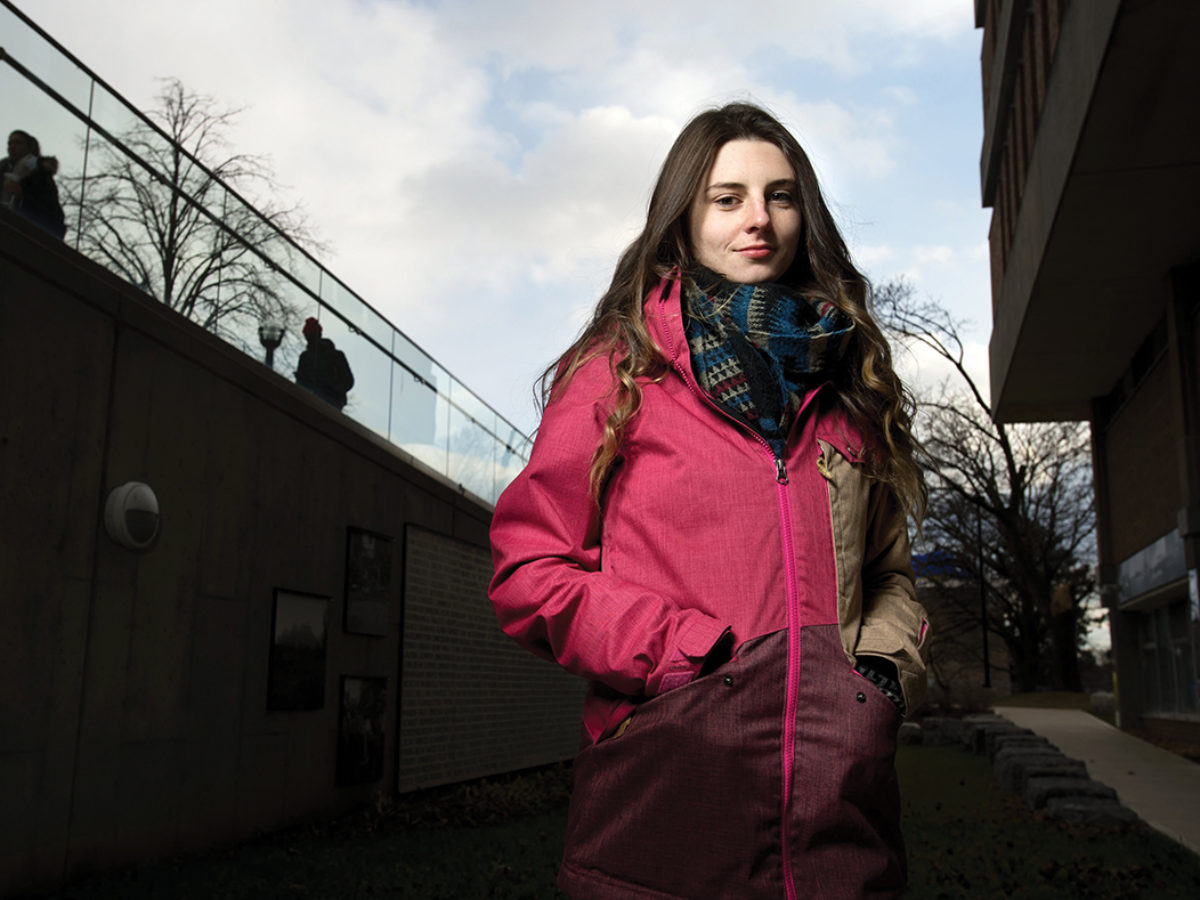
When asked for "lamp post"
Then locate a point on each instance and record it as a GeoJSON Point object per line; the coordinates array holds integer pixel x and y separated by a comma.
{"type": "Point", "coordinates": [270, 334]}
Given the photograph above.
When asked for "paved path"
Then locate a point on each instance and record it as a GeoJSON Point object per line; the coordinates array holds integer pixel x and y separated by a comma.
{"type": "Point", "coordinates": [1162, 788]}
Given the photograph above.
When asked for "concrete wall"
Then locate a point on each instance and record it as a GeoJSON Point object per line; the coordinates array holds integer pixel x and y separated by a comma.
{"type": "Point", "coordinates": [1143, 477]}
{"type": "Point", "coordinates": [133, 719]}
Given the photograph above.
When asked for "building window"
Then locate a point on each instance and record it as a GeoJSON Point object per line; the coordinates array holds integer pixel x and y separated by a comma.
{"type": "Point", "coordinates": [1183, 651]}
{"type": "Point", "coordinates": [1167, 639]}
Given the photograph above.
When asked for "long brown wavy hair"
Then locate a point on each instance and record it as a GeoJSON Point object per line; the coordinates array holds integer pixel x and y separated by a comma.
{"type": "Point", "coordinates": [866, 384]}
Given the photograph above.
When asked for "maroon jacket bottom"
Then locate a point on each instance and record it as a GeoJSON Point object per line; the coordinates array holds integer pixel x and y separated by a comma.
{"type": "Point", "coordinates": [687, 802]}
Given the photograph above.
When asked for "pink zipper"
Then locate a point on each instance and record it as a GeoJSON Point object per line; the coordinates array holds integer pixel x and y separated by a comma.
{"type": "Point", "coordinates": [791, 696]}
{"type": "Point", "coordinates": [793, 682]}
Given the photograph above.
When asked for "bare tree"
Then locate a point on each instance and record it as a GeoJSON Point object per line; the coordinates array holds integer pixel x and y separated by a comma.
{"type": "Point", "coordinates": [1010, 505]}
{"type": "Point", "coordinates": [157, 212]}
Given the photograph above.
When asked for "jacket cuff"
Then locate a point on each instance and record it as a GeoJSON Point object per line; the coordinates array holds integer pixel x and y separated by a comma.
{"type": "Point", "coordinates": [884, 675]}
{"type": "Point", "coordinates": [702, 637]}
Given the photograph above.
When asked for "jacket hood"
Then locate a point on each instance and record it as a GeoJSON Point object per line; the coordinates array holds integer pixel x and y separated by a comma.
{"type": "Point", "coordinates": [663, 312]}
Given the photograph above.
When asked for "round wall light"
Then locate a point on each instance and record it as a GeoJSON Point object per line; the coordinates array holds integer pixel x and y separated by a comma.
{"type": "Point", "coordinates": [131, 515]}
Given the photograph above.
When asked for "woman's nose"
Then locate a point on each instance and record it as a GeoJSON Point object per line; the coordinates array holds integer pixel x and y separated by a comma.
{"type": "Point", "coordinates": [757, 216]}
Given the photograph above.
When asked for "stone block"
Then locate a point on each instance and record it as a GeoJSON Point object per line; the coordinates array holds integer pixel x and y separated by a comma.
{"type": "Point", "coordinates": [940, 731]}
{"type": "Point", "coordinates": [1039, 791]}
{"type": "Point", "coordinates": [1000, 740]}
{"type": "Point", "coordinates": [982, 719]}
{"type": "Point", "coordinates": [1013, 768]}
{"type": "Point", "coordinates": [976, 736]}
{"type": "Point", "coordinates": [1103, 704]}
{"type": "Point", "coordinates": [1090, 811]}
{"type": "Point", "coordinates": [910, 733]}
{"type": "Point", "coordinates": [971, 729]}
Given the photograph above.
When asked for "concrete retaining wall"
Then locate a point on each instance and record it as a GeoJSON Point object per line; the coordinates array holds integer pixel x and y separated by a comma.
{"type": "Point", "coordinates": [133, 686]}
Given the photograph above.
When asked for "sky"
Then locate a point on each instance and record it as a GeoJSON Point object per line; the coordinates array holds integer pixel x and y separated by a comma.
{"type": "Point", "coordinates": [475, 168]}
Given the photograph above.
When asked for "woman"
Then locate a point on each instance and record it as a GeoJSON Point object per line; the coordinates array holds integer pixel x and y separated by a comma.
{"type": "Point", "coordinates": [712, 530]}
{"type": "Point", "coordinates": [27, 183]}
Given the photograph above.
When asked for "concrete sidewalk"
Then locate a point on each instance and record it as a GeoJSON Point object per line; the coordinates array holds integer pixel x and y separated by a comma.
{"type": "Point", "coordinates": [1162, 788]}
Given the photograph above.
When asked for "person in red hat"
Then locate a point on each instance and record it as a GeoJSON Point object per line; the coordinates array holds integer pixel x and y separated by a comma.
{"type": "Point", "coordinates": [322, 368]}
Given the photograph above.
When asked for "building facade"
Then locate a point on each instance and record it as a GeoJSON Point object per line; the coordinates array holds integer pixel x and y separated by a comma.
{"type": "Point", "coordinates": [1091, 166]}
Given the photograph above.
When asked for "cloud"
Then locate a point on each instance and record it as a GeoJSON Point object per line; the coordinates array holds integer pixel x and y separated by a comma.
{"type": "Point", "coordinates": [941, 20]}
{"type": "Point", "coordinates": [903, 95]}
{"type": "Point", "coordinates": [926, 373]}
{"type": "Point", "coordinates": [867, 256]}
{"type": "Point", "coordinates": [852, 142]}
{"type": "Point", "coordinates": [590, 38]}
{"type": "Point", "coordinates": [477, 167]}
{"type": "Point", "coordinates": [473, 221]}
{"type": "Point", "coordinates": [941, 255]}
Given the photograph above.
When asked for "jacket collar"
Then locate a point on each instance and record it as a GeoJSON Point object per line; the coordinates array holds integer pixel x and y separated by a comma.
{"type": "Point", "coordinates": [663, 313]}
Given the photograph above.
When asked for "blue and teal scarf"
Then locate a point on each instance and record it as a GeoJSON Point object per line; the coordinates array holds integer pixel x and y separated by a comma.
{"type": "Point", "coordinates": [755, 345]}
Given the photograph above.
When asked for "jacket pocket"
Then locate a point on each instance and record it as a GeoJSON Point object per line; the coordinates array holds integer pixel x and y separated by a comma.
{"type": "Point", "coordinates": [846, 795]}
{"type": "Point", "coordinates": [682, 799]}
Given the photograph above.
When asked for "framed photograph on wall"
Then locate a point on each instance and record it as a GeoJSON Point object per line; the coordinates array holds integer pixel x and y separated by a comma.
{"type": "Point", "coordinates": [368, 582]}
{"type": "Point", "coordinates": [299, 631]}
{"type": "Point", "coordinates": [360, 730]}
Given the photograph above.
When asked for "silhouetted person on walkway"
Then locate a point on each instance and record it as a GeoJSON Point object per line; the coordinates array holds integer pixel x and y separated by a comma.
{"type": "Point", "coordinates": [28, 185]}
{"type": "Point", "coordinates": [323, 368]}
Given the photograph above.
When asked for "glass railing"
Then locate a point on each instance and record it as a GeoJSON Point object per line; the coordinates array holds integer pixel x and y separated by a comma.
{"type": "Point", "coordinates": [120, 176]}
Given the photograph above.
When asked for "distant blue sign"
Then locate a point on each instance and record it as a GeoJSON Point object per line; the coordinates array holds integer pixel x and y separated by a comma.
{"type": "Point", "coordinates": [937, 562]}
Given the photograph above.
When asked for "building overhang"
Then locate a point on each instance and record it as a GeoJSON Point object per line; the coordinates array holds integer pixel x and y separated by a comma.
{"type": "Point", "coordinates": [1110, 205]}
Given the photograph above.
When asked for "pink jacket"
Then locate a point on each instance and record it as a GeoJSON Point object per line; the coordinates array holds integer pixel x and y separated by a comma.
{"type": "Point", "coordinates": [701, 530]}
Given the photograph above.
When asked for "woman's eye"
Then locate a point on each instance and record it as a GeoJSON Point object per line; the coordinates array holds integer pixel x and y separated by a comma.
{"type": "Point", "coordinates": [780, 197]}
{"type": "Point", "coordinates": [726, 201]}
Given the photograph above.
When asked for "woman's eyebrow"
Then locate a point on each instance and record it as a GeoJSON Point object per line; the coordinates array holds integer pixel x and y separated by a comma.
{"type": "Point", "coordinates": [738, 186]}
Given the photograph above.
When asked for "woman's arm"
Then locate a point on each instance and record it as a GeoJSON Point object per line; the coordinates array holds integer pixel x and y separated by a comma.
{"type": "Point", "coordinates": [549, 589]}
{"type": "Point", "coordinates": [894, 624]}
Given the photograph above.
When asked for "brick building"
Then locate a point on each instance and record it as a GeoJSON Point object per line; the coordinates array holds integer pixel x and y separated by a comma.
{"type": "Point", "coordinates": [1091, 165]}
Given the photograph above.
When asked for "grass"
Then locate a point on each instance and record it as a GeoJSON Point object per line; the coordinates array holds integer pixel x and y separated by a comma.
{"type": "Point", "coordinates": [514, 860]}
{"type": "Point", "coordinates": [501, 838]}
{"type": "Point", "coordinates": [967, 838]}
{"type": "Point", "coordinates": [493, 838]}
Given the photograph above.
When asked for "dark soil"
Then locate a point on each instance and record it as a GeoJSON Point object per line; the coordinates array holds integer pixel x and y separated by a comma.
{"type": "Point", "coordinates": [502, 838]}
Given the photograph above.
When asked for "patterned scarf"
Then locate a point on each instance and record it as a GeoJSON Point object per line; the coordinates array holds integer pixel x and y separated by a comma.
{"type": "Point", "coordinates": [753, 345]}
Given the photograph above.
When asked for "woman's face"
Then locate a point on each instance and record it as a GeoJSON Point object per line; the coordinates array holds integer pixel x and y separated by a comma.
{"type": "Point", "coordinates": [744, 221]}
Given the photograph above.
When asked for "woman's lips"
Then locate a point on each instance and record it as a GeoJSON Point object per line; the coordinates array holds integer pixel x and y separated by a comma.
{"type": "Point", "coordinates": [759, 251]}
